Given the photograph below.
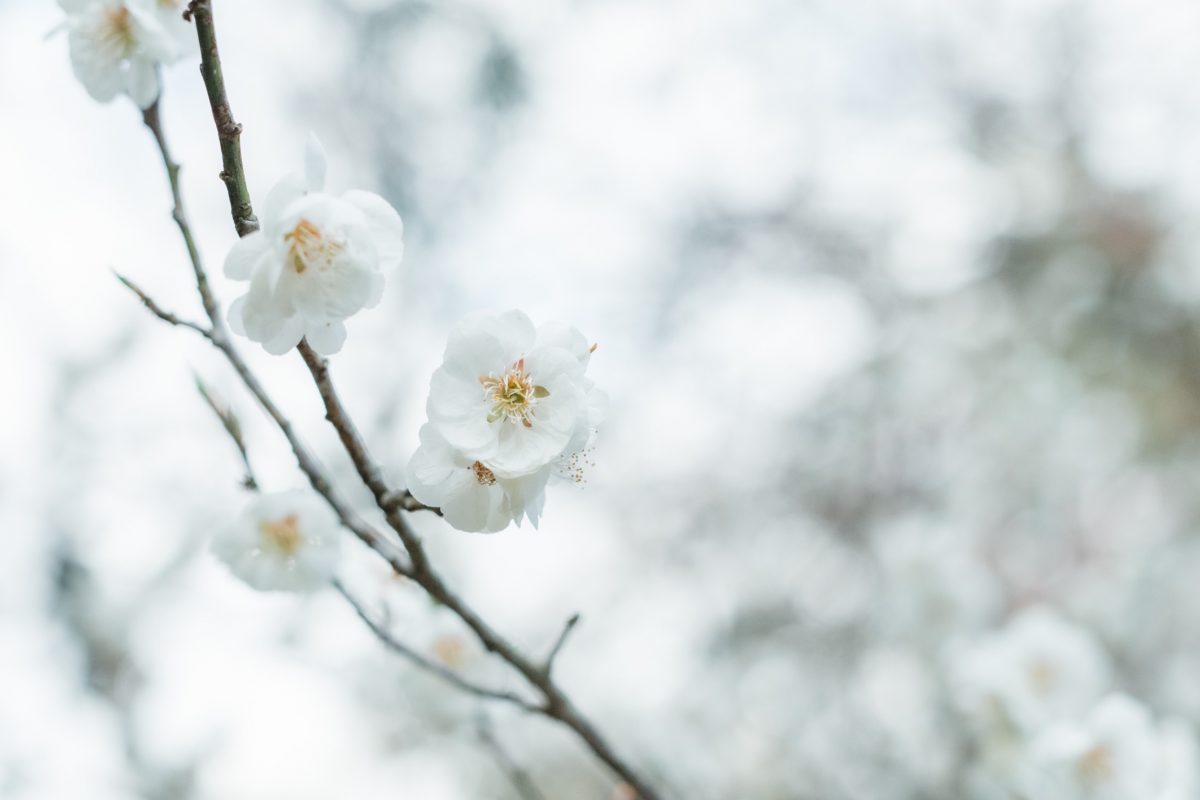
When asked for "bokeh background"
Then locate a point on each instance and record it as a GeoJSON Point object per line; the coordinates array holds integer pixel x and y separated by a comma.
{"type": "Point", "coordinates": [895, 301]}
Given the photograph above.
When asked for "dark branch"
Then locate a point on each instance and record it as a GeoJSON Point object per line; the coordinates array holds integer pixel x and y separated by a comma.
{"type": "Point", "coordinates": [558, 644]}
{"type": "Point", "coordinates": [557, 705]}
{"type": "Point", "coordinates": [308, 464]}
{"type": "Point", "coordinates": [157, 310]}
{"type": "Point", "coordinates": [519, 777]}
{"type": "Point", "coordinates": [154, 122]}
{"type": "Point", "coordinates": [233, 427]}
{"type": "Point", "coordinates": [429, 665]}
{"type": "Point", "coordinates": [229, 132]}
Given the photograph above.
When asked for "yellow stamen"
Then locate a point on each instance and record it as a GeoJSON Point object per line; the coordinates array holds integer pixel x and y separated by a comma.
{"type": "Point", "coordinates": [282, 535]}
{"type": "Point", "coordinates": [512, 395]}
{"type": "Point", "coordinates": [309, 247]}
{"type": "Point", "coordinates": [482, 474]}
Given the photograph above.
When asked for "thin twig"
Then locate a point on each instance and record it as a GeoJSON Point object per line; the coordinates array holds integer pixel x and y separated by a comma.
{"type": "Point", "coordinates": [404, 501]}
{"type": "Point", "coordinates": [153, 121]}
{"type": "Point", "coordinates": [308, 463]}
{"type": "Point", "coordinates": [158, 311]}
{"type": "Point", "coordinates": [520, 778]}
{"type": "Point", "coordinates": [557, 705]}
{"type": "Point", "coordinates": [229, 132]}
{"type": "Point", "coordinates": [233, 427]}
{"type": "Point", "coordinates": [428, 664]}
{"type": "Point", "coordinates": [558, 644]}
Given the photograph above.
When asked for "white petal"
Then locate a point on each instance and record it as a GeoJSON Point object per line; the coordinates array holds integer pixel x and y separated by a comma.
{"type": "Point", "coordinates": [142, 82]}
{"type": "Point", "coordinates": [375, 294]}
{"type": "Point", "coordinates": [326, 338]}
{"type": "Point", "coordinates": [546, 364]}
{"type": "Point", "coordinates": [468, 504]}
{"type": "Point", "coordinates": [383, 224]}
{"type": "Point", "coordinates": [288, 336]}
{"type": "Point", "coordinates": [234, 316]}
{"type": "Point", "coordinates": [245, 253]}
{"type": "Point", "coordinates": [429, 468]}
{"type": "Point", "coordinates": [99, 74]}
{"type": "Point", "coordinates": [314, 164]}
{"type": "Point", "coordinates": [515, 331]}
{"type": "Point", "coordinates": [557, 334]}
{"type": "Point", "coordinates": [282, 195]}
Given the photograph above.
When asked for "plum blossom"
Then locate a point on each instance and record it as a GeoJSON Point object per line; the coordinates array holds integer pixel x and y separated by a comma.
{"type": "Point", "coordinates": [1115, 753]}
{"type": "Point", "coordinates": [470, 495]}
{"type": "Point", "coordinates": [317, 261]}
{"type": "Point", "coordinates": [117, 45]}
{"type": "Point", "coordinates": [285, 541]}
{"type": "Point", "coordinates": [934, 586]}
{"type": "Point", "coordinates": [515, 397]}
{"type": "Point", "coordinates": [1038, 670]}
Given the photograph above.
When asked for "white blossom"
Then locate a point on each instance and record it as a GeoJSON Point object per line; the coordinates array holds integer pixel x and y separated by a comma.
{"type": "Point", "coordinates": [934, 586]}
{"type": "Point", "coordinates": [1040, 669]}
{"type": "Point", "coordinates": [515, 397]}
{"type": "Point", "coordinates": [469, 493]}
{"type": "Point", "coordinates": [287, 541]}
{"type": "Point", "coordinates": [117, 45]}
{"type": "Point", "coordinates": [317, 260]}
{"type": "Point", "coordinates": [1112, 754]}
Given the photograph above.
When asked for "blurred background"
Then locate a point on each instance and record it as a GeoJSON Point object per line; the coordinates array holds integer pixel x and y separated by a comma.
{"type": "Point", "coordinates": [895, 302]}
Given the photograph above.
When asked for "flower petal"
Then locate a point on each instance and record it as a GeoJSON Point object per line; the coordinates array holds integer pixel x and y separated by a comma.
{"type": "Point", "coordinates": [315, 164]}
{"type": "Point", "coordinates": [326, 338]}
{"type": "Point", "coordinates": [245, 253]}
{"type": "Point", "coordinates": [288, 336]}
{"type": "Point", "coordinates": [468, 504]}
{"type": "Point", "coordinates": [383, 224]}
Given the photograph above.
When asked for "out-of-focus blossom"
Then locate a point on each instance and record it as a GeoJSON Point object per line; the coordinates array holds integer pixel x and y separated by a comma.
{"type": "Point", "coordinates": [934, 588]}
{"type": "Point", "coordinates": [514, 397]}
{"type": "Point", "coordinates": [286, 541]}
{"type": "Point", "coordinates": [317, 261]}
{"type": "Point", "coordinates": [117, 46]}
{"type": "Point", "coordinates": [1115, 753]}
{"type": "Point", "coordinates": [471, 496]}
{"type": "Point", "coordinates": [1038, 670]}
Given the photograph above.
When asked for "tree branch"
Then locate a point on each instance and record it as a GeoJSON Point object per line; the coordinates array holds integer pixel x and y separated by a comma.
{"type": "Point", "coordinates": [519, 777]}
{"type": "Point", "coordinates": [229, 132]}
{"type": "Point", "coordinates": [308, 463]}
{"type": "Point", "coordinates": [548, 665]}
{"type": "Point", "coordinates": [158, 311]}
{"type": "Point", "coordinates": [153, 121]}
{"type": "Point", "coordinates": [233, 427]}
{"type": "Point", "coordinates": [557, 705]}
{"type": "Point", "coordinates": [429, 665]}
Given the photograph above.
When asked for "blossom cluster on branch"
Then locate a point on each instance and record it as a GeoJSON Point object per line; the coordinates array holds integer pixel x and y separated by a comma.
{"type": "Point", "coordinates": [117, 46]}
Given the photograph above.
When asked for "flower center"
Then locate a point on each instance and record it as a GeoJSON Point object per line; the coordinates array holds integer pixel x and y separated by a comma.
{"type": "Point", "coordinates": [1096, 765]}
{"type": "Point", "coordinates": [482, 474]}
{"type": "Point", "coordinates": [117, 31]}
{"type": "Point", "coordinates": [308, 247]}
{"type": "Point", "coordinates": [1043, 676]}
{"type": "Point", "coordinates": [282, 535]}
{"type": "Point", "coordinates": [512, 395]}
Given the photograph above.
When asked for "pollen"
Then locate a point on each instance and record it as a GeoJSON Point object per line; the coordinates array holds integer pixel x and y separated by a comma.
{"type": "Point", "coordinates": [575, 466]}
{"type": "Point", "coordinates": [482, 474]}
{"type": "Point", "coordinates": [1096, 765]}
{"type": "Point", "coordinates": [513, 395]}
{"type": "Point", "coordinates": [1042, 676]}
{"type": "Point", "coordinates": [282, 535]}
{"type": "Point", "coordinates": [117, 34]}
{"type": "Point", "coordinates": [309, 247]}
